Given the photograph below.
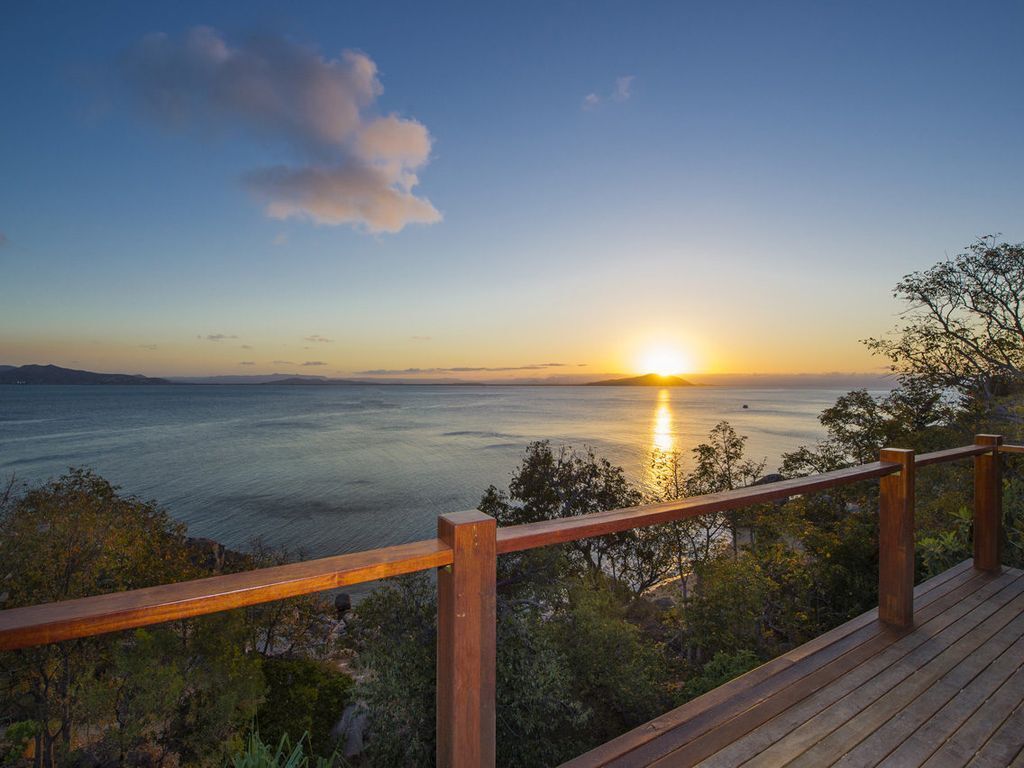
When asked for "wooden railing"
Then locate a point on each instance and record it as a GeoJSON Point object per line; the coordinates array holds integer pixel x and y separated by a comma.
{"type": "Point", "coordinates": [465, 554]}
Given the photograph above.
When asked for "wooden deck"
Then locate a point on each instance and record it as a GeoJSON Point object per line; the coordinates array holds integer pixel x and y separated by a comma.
{"type": "Point", "coordinates": [948, 692]}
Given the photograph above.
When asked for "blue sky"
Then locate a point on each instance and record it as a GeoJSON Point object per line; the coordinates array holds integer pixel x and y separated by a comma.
{"type": "Point", "coordinates": [746, 198]}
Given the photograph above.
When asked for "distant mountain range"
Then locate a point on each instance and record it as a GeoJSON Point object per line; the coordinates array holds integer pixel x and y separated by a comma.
{"type": "Point", "coordinates": [647, 380]}
{"type": "Point", "coordinates": [52, 374]}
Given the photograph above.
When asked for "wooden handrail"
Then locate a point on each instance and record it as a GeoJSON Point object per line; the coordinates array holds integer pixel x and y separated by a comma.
{"type": "Point", "coordinates": [951, 454]}
{"type": "Point", "coordinates": [51, 622]}
{"type": "Point", "coordinates": [86, 616]}
{"type": "Point", "coordinates": [563, 529]}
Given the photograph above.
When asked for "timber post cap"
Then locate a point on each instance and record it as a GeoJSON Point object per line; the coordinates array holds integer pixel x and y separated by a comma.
{"type": "Point", "coordinates": [467, 517]}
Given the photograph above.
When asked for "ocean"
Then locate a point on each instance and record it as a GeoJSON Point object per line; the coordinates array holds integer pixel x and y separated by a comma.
{"type": "Point", "coordinates": [337, 469]}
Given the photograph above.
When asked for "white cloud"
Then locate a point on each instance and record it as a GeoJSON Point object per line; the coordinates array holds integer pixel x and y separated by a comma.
{"type": "Point", "coordinates": [353, 194]}
{"type": "Point", "coordinates": [621, 91]}
{"type": "Point", "coordinates": [361, 168]}
{"type": "Point", "coordinates": [623, 88]}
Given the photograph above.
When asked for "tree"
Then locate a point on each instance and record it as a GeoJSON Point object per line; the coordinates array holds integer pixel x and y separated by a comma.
{"type": "Point", "coordinates": [721, 465]}
{"type": "Point", "coordinates": [551, 484]}
{"type": "Point", "coordinates": [859, 425]}
{"type": "Point", "coordinates": [298, 626]}
{"type": "Point", "coordinates": [690, 541]}
{"type": "Point", "coordinates": [964, 322]}
{"type": "Point", "coordinates": [185, 688]}
{"type": "Point", "coordinates": [541, 720]}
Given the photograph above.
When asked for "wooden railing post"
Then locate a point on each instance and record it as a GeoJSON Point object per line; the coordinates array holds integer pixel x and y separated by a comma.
{"type": "Point", "coordinates": [988, 505]}
{"type": "Point", "coordinates": [466, 642]}
{"type": "Point", "coordinates": [896, 540]}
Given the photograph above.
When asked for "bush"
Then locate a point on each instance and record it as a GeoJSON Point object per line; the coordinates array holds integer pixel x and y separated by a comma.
{"type": "Point", "coordinates": [303, 696]}
{"type": "Point", "coordinates": [258, 754]}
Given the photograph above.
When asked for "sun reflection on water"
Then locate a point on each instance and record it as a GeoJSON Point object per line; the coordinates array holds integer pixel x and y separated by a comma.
{"type": "Point", "coordinates": [662, 476]}
{"type": "Point", "coordinates": [664, 436]}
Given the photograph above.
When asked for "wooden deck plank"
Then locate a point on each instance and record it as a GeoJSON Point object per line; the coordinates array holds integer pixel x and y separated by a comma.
{"type": "Point", "coordinates": [726, 733]}
{"type": "Point", "coordinates": [971, 681]}
{"type": "Point", "coordinates": [864, 693]}
{"type": "Point", "coordinates": [639, 748]}
{"type": "Point", "coordinates": [875, 703]}
{"type": "Point", "coordinates": [941, 725]}
{"type": "Point", "coordinates": [927, 593]}
{"type": "Point", "coordinates": [1005, 744]}
{"type": "Point", "coordinates": [931, 620]}
{"type": "Point", "coordinates": [960, 748]}
{"type": "Point", "coordinates": [842, 699]}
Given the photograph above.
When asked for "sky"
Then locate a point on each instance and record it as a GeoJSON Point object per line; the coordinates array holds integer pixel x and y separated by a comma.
{"type": "Point", "coordinates": [481, 190]}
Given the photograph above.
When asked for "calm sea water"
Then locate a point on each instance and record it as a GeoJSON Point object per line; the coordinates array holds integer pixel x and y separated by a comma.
{"type": "Point", "coordinates": [340, 469]}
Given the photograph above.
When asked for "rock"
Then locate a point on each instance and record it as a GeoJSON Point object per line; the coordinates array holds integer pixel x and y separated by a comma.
{"type": "Point", "coordinates": [342, 604]}
{"type": "Point", "coordinates": [351, 728]}
{"type": "Point", "coordinates": [207, 554]}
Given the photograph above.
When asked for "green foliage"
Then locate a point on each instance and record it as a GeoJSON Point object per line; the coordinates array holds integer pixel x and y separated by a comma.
{"type": "Point", "coordinates": [914, 415]}
{"type": "Point", "coordinates": [756, 600]}
{"type": "Point", "coordinates": [293, 627]}
{"type": "Point", "coordinates": [721, 464]}
{"type": "Point", "coordinates": [963, 326]}
{"type": "Point", "coordinates": [395, 634]}
{"type": "Point", "coordinates": [539, 716]}
{"type": "Point", "coordinates": [178, 693]}
{"type": "Point", "coordinates": [303, 696]}
{"type": "Point", "coordinates": [939, 550]}
{"type": "Point", "coordinates": [619, 676]}
{"type": "Point", "coordinates": [541, 720]}
{"type": "Point", "coordinates": [15, 740]}
{"type": "Point", "coordinates": [258, 754]}
{"type": "Point", "coordinates": [722, 668]}
{"type": "Point", "coordinates": [1013, 520]}
{"type": "Point", "coordinates": [552, 484]}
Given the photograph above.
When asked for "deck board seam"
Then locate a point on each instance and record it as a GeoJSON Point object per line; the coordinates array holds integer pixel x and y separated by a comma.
{"type": "Point", "coordinates": [975, 581]}
{"type": "Point", "coordinates": [978, 585]}
{"type": "Point", "coordinates": [832, 734]}
{"type": "Point", "coordinates": [1011, 643]}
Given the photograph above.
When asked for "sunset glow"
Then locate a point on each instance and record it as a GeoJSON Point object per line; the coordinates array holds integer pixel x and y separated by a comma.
{"type": "Point", "coordinates": [665, 361]}
{"type": "Point", "coordinates": [332, 202]}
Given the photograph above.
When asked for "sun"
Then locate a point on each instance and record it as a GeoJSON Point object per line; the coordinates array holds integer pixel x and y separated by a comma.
{"type": "Point", "coordinates": [664, 361]}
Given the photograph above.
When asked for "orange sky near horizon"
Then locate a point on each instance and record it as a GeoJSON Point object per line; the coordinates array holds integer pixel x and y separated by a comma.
{"type": "Point", "coordinates": [329, 354]}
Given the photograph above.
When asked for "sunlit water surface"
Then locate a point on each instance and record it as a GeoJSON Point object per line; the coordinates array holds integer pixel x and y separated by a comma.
{"type": "Point", "coordinates": [340, 469]}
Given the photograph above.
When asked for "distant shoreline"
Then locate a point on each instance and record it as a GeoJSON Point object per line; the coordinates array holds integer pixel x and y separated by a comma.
{"type": "Point", "coordinates": [42, 375]}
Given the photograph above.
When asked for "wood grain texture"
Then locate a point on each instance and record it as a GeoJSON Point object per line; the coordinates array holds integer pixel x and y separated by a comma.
{"type": "Point", "coordinates": [519, 537]}
{"type": "Point", "coordinates": [988, 505]}
{"type": "Point", "coordinates": [1011, 449]}
{"type": "Point", "coordinates": [793, 726]}
{"type": "Point", "coordinates": [50, 622]}
{"type": "Point", "coordinates": [466, 645]}
{"type": "Point", "coordinates": [896, 540]}
{"type": "Point", "coordinates": [818, 681]}
{"type": "Point", "coordinates": [698, 716]}
{"type": "Point", "coordinates": [950, 454]}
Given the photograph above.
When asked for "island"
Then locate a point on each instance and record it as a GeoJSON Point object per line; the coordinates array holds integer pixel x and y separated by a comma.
{"type": "Point", "coordinates": [647, 380]}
